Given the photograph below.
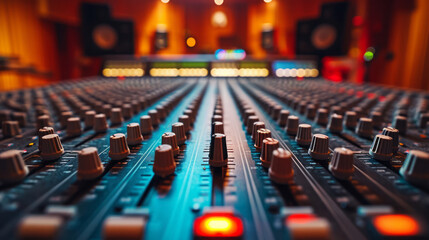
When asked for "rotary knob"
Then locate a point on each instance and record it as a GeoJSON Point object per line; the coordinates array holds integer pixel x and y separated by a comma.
{"type": "Point", "coordinates": [322, 116]}
{"type": "Point", "coordinates": [162, 112]}
{"type": "Point", "coordinates": [217, 118]}
{"type": "Point", "coordinates": [423, 120]}
{"type": "Point", "coordinates": [335, 124]}
{"type": "Point", "coordinates": [218, 156]}
{"type": "Point", "coordinates": [350, 120]}
{"type": "Point", "coordinates": [250, 121]}
{"type": "Point", "coordinates": [217, 127]}
{"type": "Point", "coordinates": [303, 137]}
{"type": "Point", "coordinates": [13, 168]}
{"type": "Point", "coordinates": [319, 147]}
{"type": "Point", "coordinates": [381, 148]}
{"type": "Point", "coordinates": [170, 139]}
{"type": "Point", "coordinates": [146, 125]}
{"type": "Point", "coordinates": [189, 113]}
{"type": "Point", "coordinates": [21, 117]}
{"type": "Point", "coordinates": [364, 127]}
{"type": "Point", "coordinates": [247, 114]}
{"type": "Point", "coordinates": [341, 165]}
{"type": "Point", "coordinates": [268, 146]}
{"type": "Point", "coordinates": [118, 147]}
{"type": "Point", "coordinates": [89, 164]}
{"type": "Point", "coordinates": [73, 127]}
{"type": "Point", "coordinates": [155, 117]}
{"type": "Point", "coordinates": [10, 129]}
{"type": "Point", "coordinates": [377, 119]}
{"type": "Point", "coordinates": [186, 122]}
{"type": "Point", "coordinates": [100, 123]}
{"type": "Point", "coordinates": [44, 131]}
{"type": "Point", "coordinates": [256, 127]}
{"type": "Point", "coordinates": [106, 109]}
{"type": "Point", "coordinates": [276, 112]}
{"type": "Point", "coordinates": [127, 111]}
{"type": "Point", "coordinates": [64, 117]}
{"type": "Point", "coordinates": [400, 123]}
{"type": "Point", "coordinates": [281, 170]}
{"type": "Point", "coordinates": [116, 116]}
{"type": "Point", "coordinates": [310, 111]}
{"type": "Point", "coordinates": [134, 134]}
{"type": "Point", "coordinates": [89, 119]}
{"type": "Point", "coordinates": [43, 121]}
{"type": "Point", "coordinates": [261, 134]}
{"type": "Point", "coordinates": [51, 147]}
{"type": "Point", "coordinates": [284, 114]}
{"type": "Point", "coordinates": [394, 134]}
{"type": "Point", "coordinates": [164, 163]}
{"type": "Point", "coordinates": [292, 125]}
{"type": "Point", "coordinates": [416, 168]}
{"type": "Point", "coordinates": [179, 129]}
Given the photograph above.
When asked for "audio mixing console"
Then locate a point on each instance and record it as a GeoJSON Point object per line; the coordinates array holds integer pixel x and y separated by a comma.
{"type": "Point", "coordinates": [214, 158]}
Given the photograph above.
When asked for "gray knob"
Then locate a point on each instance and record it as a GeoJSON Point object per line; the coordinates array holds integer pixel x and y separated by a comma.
{"type": "Point", "coordinates": [303, 137]}
{"type": "Point", "coordinates": [319, 147]}
{"type": "Point", "coordinates": [118, 147]}
{"type": "Point", "coordinates": [341, 165]}
{"type": "Point", "coordinates": [164, 163]}
{"type": "Point", "coordinates": [268, 146]}
{"type": "Point", "coordinates": [134, 134]}
{"type": "Point", "coordinates": [89, 164]}
{"type": "Point", "coordinates": [13, 168]}
{"type": "Point", "coordinates": [394, 134]}
{"type": "Point", "coordinates": [381, 148]}
{"type": "Point", "coordinates": [416, 168]}
{"type": "Point", "coordinates": [281, 170]}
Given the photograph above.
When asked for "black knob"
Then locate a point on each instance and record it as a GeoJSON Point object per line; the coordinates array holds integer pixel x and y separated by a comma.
{"type": "Point", "coordinates": [319, 147]}
{"type": "Point", "coordinates": [218, 156]}
{"type": "Point", "coordinates": [381, 148]}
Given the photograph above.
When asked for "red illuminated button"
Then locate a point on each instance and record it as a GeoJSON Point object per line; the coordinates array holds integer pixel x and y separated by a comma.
{"type": "Point", "coordinates": [218, 225]}
{"type": "Point", "coordinates": [396, 225]}
{"type": "Point", "coordinates": [308, 226]}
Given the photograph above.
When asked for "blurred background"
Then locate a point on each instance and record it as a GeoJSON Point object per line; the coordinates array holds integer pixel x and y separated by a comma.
{"type": "Point", "coordinates": [383, 41]}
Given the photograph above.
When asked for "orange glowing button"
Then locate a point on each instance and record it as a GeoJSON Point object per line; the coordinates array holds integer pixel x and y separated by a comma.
{"type": "Point", "coordinates": [396, 225]}
{"type": "Point", "coordinates": [300, 218]}
{"type": "Point", "coordinates": [218, 225]}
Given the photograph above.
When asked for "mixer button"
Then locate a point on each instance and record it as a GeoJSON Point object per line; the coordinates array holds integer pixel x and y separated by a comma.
{"type": "Point", "coordinates": [218, 112]}
{"type": "Point", "coordinates": [44, 131]}
{"type": "Point", "coordinates": [350, 120]}
{"type": "Point", "coordinates": [319, 147]}
{"type": "Point", "coordinates": [276, 112]}
{"type": "Point", "coordinates": [164, 163]}
{"type": "Point", "coordinates": [281, 170]}
{"type": "Point", "coordinates": [247, 113]}
{"type": "Point", "coordinates": [124, 227]}
{"type": "Point", "coordinates": [83, 110]}
{"type": "Point", "coordinates": [100, 123]}
{"type": "Point", "coordinates": [261, 134]}
{"type": "Point", "coordinates": [146, 124]}
{"type": "Point", "coordinates": [89, 119]}
{"type": "Point", "coordinates": [13, 168]}
{"type": "Point", "coordinates": [40, 227]}
{"type": "Point", "coordinates": [189, 113]}
{"type": "Point", "coordinates": [217, 127]}
{"type": "Point", "coordinates": [21, 117]}
{"type": "Point", "coordinates": [155, 117]}
{"type": "Point", "coordinates": [400, 123]}
{"type": "Point", "coordinates": [10, 129]}
{"type": "Point", "coordinates": [179, 129]}
{"type": "Point", "coordinates": [322, 116]}
{"type": "Point", "coordinates": [73, 127]}
{"type": "Point", "coordinates": [423, 120]}
{"type": "Point", "coordinates": [185, 119]}
{"type": "Point", "coordinates": [89, 164]}
{"type": "Point", "coordinates": [292, 125]}
{"type": "Point", "coordinates": [303, 137]}
{"type": "Point", "coordinates": [218, 224]}
{"type": "Point", "coordinates": [382, 148]}
{"type": "Point", "coordinates": [170, 139]}
{"type": "Point", "coordinates": [43, 121]}
{"type": "Point", "coordinates": [310, 112]}
{"type": "Point", "coordinates": [336, 110]}
{"type": "Point", "coordinates": [256, 127]}
{"type": "Point", "coordinates": [118, 147]}
{"type": "Point", "coordinates": [127, 111]}
{"type": "Point", "coordinates": [377, 119]}
{"type": "Point", "coordinates": [51, 147]}
{"type": "Point", "coordinates": [308, 226]}
{"type": "Point", "coordinates": [364, 128]}
{"type": "Point", "coordinates": [394, 134]}
{"type": "Point", "coordinates": [4, 115]}
{"type": "Point", "coordinates": [162, 112]}
{"type": "Point", "coordinates": [341, 165]}
{"type": "Point", "coordinates": [416, 168]}
{"type": "Point", "coordinates": [64, 117]}
{"type": "Point", "coordinates": [284, 114]}
{"type": "Point", "coordinates": [218, 155]}
{"type": "Point", "coordinates": [134, 134]}
{"type": "Point", "coordinates": [335, 124]}
{"type": "Point", "coordinates": [394, 226]}
{"type": "Point", "coordinates": [116, 116]}
{"type": "Point", "coordinates": [107, 109]}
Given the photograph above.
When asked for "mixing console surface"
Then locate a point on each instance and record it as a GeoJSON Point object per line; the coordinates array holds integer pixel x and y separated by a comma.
{"type": "Point", "coordinates": [210, 158]}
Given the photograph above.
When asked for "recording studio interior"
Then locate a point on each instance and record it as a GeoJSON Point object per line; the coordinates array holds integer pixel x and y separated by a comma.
{"type": "Point", "coordinates": [214, 119]}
